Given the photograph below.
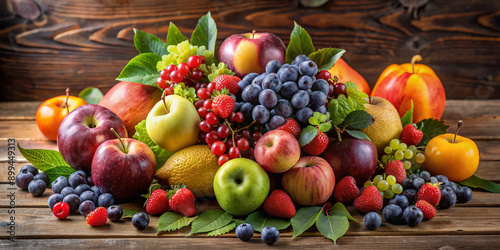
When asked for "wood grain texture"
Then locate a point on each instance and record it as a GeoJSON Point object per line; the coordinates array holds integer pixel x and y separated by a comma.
{"type": "Point", "coordinates": [70, 43]}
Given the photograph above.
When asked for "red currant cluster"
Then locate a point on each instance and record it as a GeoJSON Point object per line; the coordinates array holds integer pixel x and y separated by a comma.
{"type": "Point", "coordinates": [184, 72]}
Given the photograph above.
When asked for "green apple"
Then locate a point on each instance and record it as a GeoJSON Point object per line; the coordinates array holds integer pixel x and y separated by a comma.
{"type": "Point", "coordinates": [241, 186]}
{"type": "Point", "coordinates": [173, 123]}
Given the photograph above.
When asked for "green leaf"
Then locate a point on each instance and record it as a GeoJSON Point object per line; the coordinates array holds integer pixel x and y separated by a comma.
{"type": "Point", "coordinates": [260, 220]}
{"type": "Point", "coordinates": [205, 33]}
{"type": "Point", "coordinates": [129, 212]}
{"type": "Point", "coordinates": [141, 69]}
{"type": "Point", "coordinates": [43, 159]}
{"type": "Point", "coordinates": [356, 97]}
{"type": "Point", "coordinates": [431, 128]}
{"type": "Point", "coordinates": [141, 134]}
{"type": "Point", "coordinates": [340, 210]}
{"type": "Point", "coordinates": [210, 220]}
{"type": "Point", "coordinates": [300, 43]}
{"type": "Point", "coordinates": [223, 230]}
{"type": "Point", "coordinates": [91, 95]}
{"type": "Point", "coordinates": [326, 58]}
{"type": "Point", "coordinates": [408, 117]}
{"type": "Point", "coordinates": [307, 135]}
{"type": "Point", "coordinates": [171, 221]}
{"type": "Point", "coordinates": [321, 117]}
{"type": "Point", "coordinates": [154, 185]}
{"type": "Point", "coordinates": [339, 109]}
{"type": "Point", "coordinates": [148, 43]}
{"type": "Point", "coordinates": [187, 92]}
{"type": "Point", "coordinates": [174, 35]}
{"type": "Point", "coordinates": [325, 127]}
{"type": "Point", "coordinates": [53, 173]}
{"type": "Point", "coordinates": [358, 134]}
{"type": "Point", "coordinates": [313, 121]}
{"type": "Point", "coordinates": [476, 182]}
{"type": "Point", "coordinates": [304, 219]}
{"type": "Point", "coordinates": [333, 226]}
{"type": "Point", "coordinates": [358, 119]}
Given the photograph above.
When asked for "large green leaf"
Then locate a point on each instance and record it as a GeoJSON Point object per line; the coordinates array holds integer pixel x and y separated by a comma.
{"type": "Point", "coordinates": [340, 210]}
{"type": "Point", "coordinates": [210, 220]}
{"type": "Point", "coordinates": [304, 219]}
{"type": "Point", "coordinates": [43, 159]}
{"type": "Point", "coordinates": [476, 182]}
{"type": "Point", "coordinates": [300, 43]}
{"type": "Point", "coordinates": [174, 35]}
{"type": "Point", "coordinates": [260, 220]}
{"type": "Point", "coordinates": [148, 43]}
{"type": "Point", "coordinates": [333, 226]}
{"type": "Point", "coordinates": [54, 173]}
{"type": "Point", "coordinates": [171, 221]}
{"type": "Point", "coordinates": [325, 58]}
{"type": "Point", "coordinates": [358, 119]}
{"type": "Point", "coordinates": [141, 69]}
{"type": "Point", "coordinates": [205, 33]}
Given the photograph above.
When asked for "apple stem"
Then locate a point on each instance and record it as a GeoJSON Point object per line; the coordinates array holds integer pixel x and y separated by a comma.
{"type": "Point", "coordinates": [163, 95]}
{"type": "Point", "coordinates": [67, 98]}
{"type": "Point", "coordinates": [456, 131]}
{"type": "Point", "coordinates": [415, 58]}
{"type": "Point", "coordinates": [121, 141]}
{"type": "Point", "coordinates": [253, 33]}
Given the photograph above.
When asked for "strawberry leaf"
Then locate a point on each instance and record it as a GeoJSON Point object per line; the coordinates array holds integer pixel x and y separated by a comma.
{"type": "Point", "coordinates": [174, 35]}
{"type": "Point", "coordinates": [260, 220]}
{"type": "Point", "coordinates": [325, 127]}
{"type": "Point", "coordinates": [148, 43]}
{"type": "Point", "coordinates": [476, 182]}
{"type": "Point", "coordinates": [340, 210]}
{"type": "Point", "coordinates": [223, 230]}
{"type": "Point", "coordinates": [307, 135]}
{"type": "Point", "coordinates": [358, 134]}
{"type": "Point", "coordinates": [154, 185]}
{"type": "Point", "coordinates": [210, 220]}
{"type": "Point", "coordinates": [408, 117]}
{"type": "Point", "coordinates": [174, 189]}
{"type": "Point", "coordinates": [325, 58]}
{"type": "Point", "coordinates": [313, 121]}
{"type": "Point", "coordinates": [358, 119]}
{"type": "Point", "coordinates": [171, 221]}
{"type": "Point", "coordinates": [304, 219]}
{"type": "Point", "coordinates": [300, 43]}
{"type": "Point", "coordinates": [333, 226]}
{"type": "Point", "coordinates": [431, 128]}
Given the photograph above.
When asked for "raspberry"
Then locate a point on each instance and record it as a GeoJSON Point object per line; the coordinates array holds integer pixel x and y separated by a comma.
{"type": "Point", "coordinates": [157, 202]}
{"type": "Point", "coordinates": [61, 210]}
{"type": "Point", "coordinates": [370, 200]}
{"type": "Point", "coordinates": [430, 193]}
{"type": "Point", "coordinates": [98, 217]}
{"type": "Point", "coordinates": [279, 204]}
{"type": "Point", "coordinates": [397, 169]}
{"type": "Point", "coordinates": [427, 209]}
{"type": "Point", "coordinates": [411, 135]}
{"type": "Point", "coordinates": [346, 190]}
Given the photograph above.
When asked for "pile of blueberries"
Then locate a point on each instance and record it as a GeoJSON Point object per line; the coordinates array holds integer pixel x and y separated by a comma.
{"type": "Point", "coordinates": [29, 178]}
{"type": "Point", "coordinates": [283, 91]}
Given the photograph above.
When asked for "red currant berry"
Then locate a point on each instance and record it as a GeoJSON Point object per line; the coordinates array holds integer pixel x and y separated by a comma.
{"type": "Point", "coordinates": [324, 74]}
{"type": "Point", "coordinates": [211, 87]}
{"type": "Point", "coordinates": [223, 131]}
{"type": "Point", "coordinates": [239, 117]}
{"type": "Point", "coordinates": [194, 62]}
{"type": "Point", "coordinates": [246, 133]}
{"type": "Point", "coordinates": [331, 89]}
{"type": "Point", "coordinates": [183, 68]}
{"type": "Point", "coordinates": [201, 136]}
{"type": "Point", "coordinates": [202, 59]}
{"type": "Point", "coordinates": [205, 126]}
{"type": "Point", "coordinates": [161, 83]}
{"type": "Point", "coordinates": [218, 148]}
{"type": "Point", "coordinates": [202, 112]}
{"type": "Point", "coordinates": [243, 144]}
{"type": "Point", "coordinates": [212, 118]}
{"type": "Point", "coordinates": [229, 143]}
{"type": "Point", "coordinates": [256, 136]}
{"type": "Point", "coordinates": [204, 85]}
{"type": "Point", "coordinates": [165, 75]}
{"type": "Point", "coordinates": [222, 159]}
{"type": "Point", "coordinates": [197, 75]}
{"type": "Point", "coordinates": [176, 76]}
{"type": "Point", "coordinates": [231, 117]}
{"type": "Point", "coordinates": [61, 210]}
{"type": "Point", "coordinates": [208, 104]}
{"type": "Point", "coordinates": [171, 68]}
{"type": "Point", "coordinates": [211, 137]}
{"type": "Point", "coordinates": [340, 89]}
{"type": "Point", "coordinates": [199, 103]}
{"type": "Point", "coordinates": [255, 143]}
{"type": "Point", "coordinates": [203, 93]}
{"type": "Point", "coordinates": [234, 152]}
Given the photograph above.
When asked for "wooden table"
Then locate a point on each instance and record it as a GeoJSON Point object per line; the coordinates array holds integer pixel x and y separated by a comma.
{"type": "Point", "coordinates": [472, 225]}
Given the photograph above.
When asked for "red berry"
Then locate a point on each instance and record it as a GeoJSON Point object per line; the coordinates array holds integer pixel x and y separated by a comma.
{"type": "Point", "coordinates": [203, 93]}
{"type": "Point", "coordinates": [427, 209]}
{"type": "Point", "coordinates": [256, 136]}
{"type": "Point", "coordinates": [243, 144]}
{"type": "Point", "coordinates": [430, 193]}
{"type": "Point", "coordinates": [171, 68]}
{"type": "Point", "coordinates": [98, 217]}
{"type": "Point", "coordinates": [340, 89]}
{"type": "Point", "coordinates": [234, 152]}
{"type": "Point", "coordinates": [211, 87]}
{"type": "Point", "coordinates": [211, 137]}
{"type": "Point", "coordinates": [208, 104]}
{"type": "Point", "coordinates": [194, 61]}
{"type": "Point", "coordinates": [205, 127]}
{"type": "Point", "coordinates": [176, 76]}
{"type": "Point", "coordinates": [201, 136]}
{"type": "Point", "coordinates": [229, 143]}
{"type": "Point", "coordinates": [291, 126]}
{"type": "Point", "coordinates": [183, 68]}
{"type": "Point", "coordinates": [199, 103]}
{"type": "Point", "coordinates": [396, 168]}
{"type": "Point", "coordinates": [165, 75]}
{"type": "Point", "coordinates": [203, 59]}
{"type": "Point", "coordinates": [346, 190]}
{"type": "Point", "coordinates": [370, 200]}
{"type": "Point", "coordinates": [228, 82]}
{"type": "Point", "coordinates": [161, 83]}
{"type": "Point", "coordinates": [246, 133]}
{"type": "Point", "coordinates": [202, 112]}
{"type": "Point", "coordinates": [182, 201]}
{"type": "Point", "coordinates": [324, 74]}
{"type": "Point", "coordinates": [61, 210]}
{"type": "Point", "coordinates": [223, 131]}
{"type": "Point", "coordinates": [231, 117]}
{"type": "Point", "coordinates": [411, 135]}
{"type": "Point", "coordinates": [197, 75]}
{"type": "Point", "coordinates": [212, 118]}
{"type": "Point", "coordinates": [218, 148]}
{"type": "Point", "coordinates": [222, 159]}
{"type": "Point", "coordinates": [157, 202]}
{"type": "Point", "coordinates": [331, 89]}
{"type": "Point", "coordinates": [279, 204]}
{"type": "Point", "coordinates": [223, 105]}
{"type": "Point", "coordinates": [317, 145]}
{"type": "Point", "coordinates": [239, 117]}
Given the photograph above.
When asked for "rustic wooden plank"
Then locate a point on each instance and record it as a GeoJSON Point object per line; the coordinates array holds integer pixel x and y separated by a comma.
{"type": "Point", "coordinates": [21, 130]}
{"type": "Point", "coordinates": [18, 110]}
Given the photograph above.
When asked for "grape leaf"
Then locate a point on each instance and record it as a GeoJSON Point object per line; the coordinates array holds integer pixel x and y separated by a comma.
{"type": "Point", "coordinates": [260, 220]}
{"type": "Point", "coordinates": [148, 43]}
{"type": "Point", "coordinates": [91, 95]}
{"type": "Point", "coordinates": [408, 117]}
{"type": "Point", "coordinates": [223, 230]}
{"type": "Point", "coordinates": [205, 33]}
{"type": "Point", "coordinates": [53, 173]}
{"type": "Point", "coordinates": [340, 210]}
{"type": "Point", "coordinates": [307, 135]}
{"type": "Point", "coordinates": [174, 35]}
{"type": "Point", "coordinates": [431, 128]}
{"type": "Point", "coordinates": [43, 159]}
{"type": "Point", "coordinates": [332, 226]}
{"type": "Point", "coordinates": [358, 119]}
{"type": "Point", "coordinates": [304, 219]}
{"type": "Point", "coordinates": [325, 58]}
{"type": "Point", "coordinates": [210, 220]}
{"type": "Point", "coordinates": [141, 69]}
{"type": "Point", "coordinates": [141, 134]}
{"type": "Point", "coordinates": [476, 182]}
{"type": "Point", "coordinates": [300, 43]}
{"type": "Point", "coordinates": [357, 134]}
{"type": "Point", "coordinates": [171, 221]}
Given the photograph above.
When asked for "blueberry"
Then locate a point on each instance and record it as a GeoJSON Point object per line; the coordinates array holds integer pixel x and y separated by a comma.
{"type": "Point", "coordinates": [272, 82]}
{"type": "Point", "coordinates": [273, 66]}
{"type": "Point", "coordinates": [451, 185]}
{"type": "Point", "coordinates": [305, 82]}
{"type": "Point", "coordinates": [308, 68]}
{"type": "Point", "coordinates": [322, 109]}
{"type": "Point", "coordinates": [400, 200]}
{"type": "Point", "coordinates": [77, 178]}
{"type": "Point", "coordinates": [55, 198]}
{"type": "Point", "coordinates": [413, 216]}
{"type": "Point", "coordinates": [275, 122]}
{"type": "Point", "coordinates": [105, 200]}
{"type": "Point", "coordinates": [242, 85]}
{"type": "Point", "coordinates": [23, 179]}
{"type": "Point", "coordinates": [251, 93]}
{"type": "Point", "coordinates": [283, 108]}
{"type": "Point", "coordinates": [425, 175]}
{"type": "Point", "coordinates": [442, 178]}
{"type": "Point", "coordinates": [418, 182]}
{"type": "Point", "coordinates": [42, 176]}
{"type": "Point", "coordinates": [407, 183]}
{"type": "Point", "coordinates": [30, 168]}
{"type": "Point", "coordinates": [90, 181]}
{"type": "Point", "coordinates": [260, 114]}
{"type": "Point", "coordinates": [89, 195]}
{"type": "Point", "coordinates": [73, 201]}
{"type": "Point", "coordinates": [299, 59]}
{"type": "Point", "coordinates": [244, 231]}
{"type": "Point", "coordinates": [321, 85]}
{"type": "Point", "coordinates": [82, 188]}
{"type": "Point", "coordinates": [115, 213]}
{"type": "Point", "coordinates": [448, 198]}
{"type": "Point", "coordinates": [317, 98]}
{"type": "Point", "coordinates": [392, 213]}
{"type": "Point", "coordinates": [289, 89]}
{"type": "Point", "coordinates": [37, 187]}
{"type": "Point", "coordinates": [96, 190]}
{"type": "Point", "coordinates": [288, 73]}
{"type": "Point", "coordinates": [67, 191]}
{"type": "Point", "coordinates": [246, 109]}
{"type": "Point", "coordinates": [249, 77]}
{"type": "Point", "coordinates": [411, 194]}
{"type": "Point", "coordinates": [304, 114]}
{"type": "Point", "coordinates": [258, 80]}
{"type": "Point", "coordinates": [237, 106]}
{"type": "Point", "coordinates": [412, 176]}
{"type": "Point", "coordinates": [300, 99]}
{"type": "Point", "coordinates": [60, 183]}
{"type": "Point", "coordinates": [464, 194]}
{"type": "Point", "coordinates": [268, 98]}
{"type": "Point", "coordinates": [270, 235]}
{"type": "Point", "coordinates": [372, 220]}
{"type": "Point", "coordinates": [140, 220]}
{"type": "Point", "coordinates": [433, 180]}
{"type": "Point", "coordinates": [86, 207]}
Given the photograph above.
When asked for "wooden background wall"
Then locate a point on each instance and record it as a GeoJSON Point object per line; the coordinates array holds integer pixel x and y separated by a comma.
{"type": "Point", "coordinates": [48, 45]}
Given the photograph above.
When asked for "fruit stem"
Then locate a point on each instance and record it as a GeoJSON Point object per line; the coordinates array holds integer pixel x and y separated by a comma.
{"type": "Point", "coordinates": [339, 138]}
{"type": "Point", "coordinates": [415, 58]}
{"type": "Point", "coordinates": [456, 131]}
{"type": "Point", "coordinates": [67, 98]}
{"type": "Point", "coordinates": [121, 141]}
{"type": "Point", "coordinates": [253, 33]}
{"type": "Point", "coordinates": [163, 95]}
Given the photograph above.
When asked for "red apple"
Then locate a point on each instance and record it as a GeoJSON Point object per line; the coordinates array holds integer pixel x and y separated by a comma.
{"type": "Point", "coordinates": [250, 52]}
{"type": "Point", "coordinates": [131, 102]}
{"type": "Point", "coordinates": [124, 168]}
{"type": "Point", "coordinates": [83, 130]}
{"type": "Point", "coordinates": [354, 157]}
{"type": "Point", "coordinates": [277, 151]}
{"type": "Point", "coordinates": [310, 182]}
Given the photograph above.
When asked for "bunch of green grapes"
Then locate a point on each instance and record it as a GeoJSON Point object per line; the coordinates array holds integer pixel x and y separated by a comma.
{"type": "Point", "coordinates": [386, 186]}
{"type": "Point", "coordinates": [410, 155]}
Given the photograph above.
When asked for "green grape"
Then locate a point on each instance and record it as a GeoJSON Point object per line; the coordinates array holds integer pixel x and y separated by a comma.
{"type": "Point", "coordinates": [387, 150]}
{"type": "Point", "coordinates": [394, 144]}
{"type": "Point", "coordinates": [391, 179]}
{"type": "Point", "coordinates": [413, 148]}
{"type": "Point", "coordinates": [407, 164]}
{"type": "Point", "coordinates": [399, 155]}
{"type": "Point", "coordinates": [388, 194]}
{"type": "Point", "coordinates": [408, 154]}
{"type": "Point", "coordinates": [368, 183]}
{"type": "Point", "coordinates": [377, 178]}
{"type": "Point", "coordinates": [384, 159]}
{"type": "Point", "coordinates": [420, 158]}
{"type": "Point", "coordinates": [403, 146]}
{"type": "Point", "coordinates": [397, 188]}
{"type": "Point", "coordinates": [383, 185]}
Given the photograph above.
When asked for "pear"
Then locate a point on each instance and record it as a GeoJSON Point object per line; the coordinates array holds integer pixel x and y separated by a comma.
{"type": "Point", "coordinates": [387, 124]}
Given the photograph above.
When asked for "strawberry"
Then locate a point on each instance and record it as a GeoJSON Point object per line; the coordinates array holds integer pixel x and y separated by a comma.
{"type": "Point", "coordinates": [396, 169]}
{"type": "Point", "coordinates": [157, 202]}
{"type": "Point", "coordinates": [317, 145]}
{"type": "Point", "coordinates": [182, 201]}
{"type": "Point", "coordinates": [346, 190]}
{"type": "Point", "coordinates": [411, 135]}
{"type": "Point", "coordinates": [279, 204]}
{"type": "Point", "coordinates": [370, 200]}
{"type": "Point", "coordinates": [291, 126]}
{"type": "Point", "coordinates": [98, 217]}
{"type": "Point", "coordinates": [223, 105]}
{"type": "Point", "coordinates": [228, 82]}
{"type": "Point", "coordinates": [427, 209]}
{"type": "Point", "coordinates": [430, 193]}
